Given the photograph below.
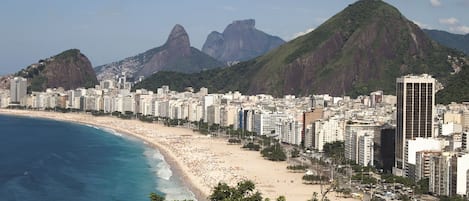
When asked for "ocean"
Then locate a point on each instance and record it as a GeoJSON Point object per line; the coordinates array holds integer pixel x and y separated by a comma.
{"type": "Point", "coordinates": [47, 160]}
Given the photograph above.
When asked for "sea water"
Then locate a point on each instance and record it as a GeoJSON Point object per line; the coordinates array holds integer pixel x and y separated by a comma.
{"type": "Point", "coordinates": [47, 160]}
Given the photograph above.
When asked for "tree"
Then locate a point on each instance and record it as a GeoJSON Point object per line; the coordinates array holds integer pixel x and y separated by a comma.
{"type": "Point", "coordinates": [274, 153]}
{"type": "Point", "coordinates": [281, 198]}
{"type": "Point", "coordinates": [155, 197]}
{"type": "Point", "coordinates": [245, 190]}
{"type": "Point", "coordinates": [335, 151]}
{"type": "Point", "coordinates": [295, 153]}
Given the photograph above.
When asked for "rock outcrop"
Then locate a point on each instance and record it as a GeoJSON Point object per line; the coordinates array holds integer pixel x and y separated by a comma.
{"type": "Point", "coordinates": [175, 55]}
{"type": "Point", "coordinates": [240, 41]}
{"type": "Point", "coordinates": [70, 70]}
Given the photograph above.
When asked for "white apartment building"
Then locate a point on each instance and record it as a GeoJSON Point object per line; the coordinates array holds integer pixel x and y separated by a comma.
{"type": "Point", "coordinates": [327, 131]}
{"type": "Point", "coordinates": [228, 115]}
{"type": "Point", "coordinates": [353, 131]}
{"type": "Point", "coordinates": [289, 131]}
{"type": "Point", "coordinates": [208, 100]}
{"type": "Point", "coordinates": [450, 128]}
{"type": "Point", "coordinates": [213, 114]}
{"type": "Point", "coordinates": [418, 145]}
{"type": "Point", "coordinates": [18, 88]}
{"type": "Point", "coordinates": [462, 169]}
{"type": "Point", "coordinates": [365, 150]}
{"type": "Point", "coordinates": [265, 123]}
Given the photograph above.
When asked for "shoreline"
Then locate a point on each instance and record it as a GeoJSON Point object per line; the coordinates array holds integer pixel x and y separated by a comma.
{"type": "Point", "coordinates": [175, 167]}
{"type": "Point", "coordinates": [168, 158]}
{"type": "Point", "coordinates": [200, 162]}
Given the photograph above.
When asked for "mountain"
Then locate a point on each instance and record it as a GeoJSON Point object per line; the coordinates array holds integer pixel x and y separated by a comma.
{"type": "Point", "coordinates": [361, 49]}
{"type": "Point", "coordinates": [70, 69]}
{"type": "Point", "coordinates": [456, 41]}
{"type": "Point", "coordinates": [175, 55]}
{"type": "Point", "coordinates": [240, 41]}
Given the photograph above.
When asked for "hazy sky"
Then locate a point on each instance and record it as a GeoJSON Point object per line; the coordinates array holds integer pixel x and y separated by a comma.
{"type": "Point", "coordinates": [110, 30]}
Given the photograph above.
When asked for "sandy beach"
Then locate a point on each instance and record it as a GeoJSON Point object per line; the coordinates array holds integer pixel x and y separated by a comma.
{"type": "Point", "coordinates": [202, 161]}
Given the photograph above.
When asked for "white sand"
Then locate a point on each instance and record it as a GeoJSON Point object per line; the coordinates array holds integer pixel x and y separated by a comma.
{"type": "Point", "coordinates": [202, 161]}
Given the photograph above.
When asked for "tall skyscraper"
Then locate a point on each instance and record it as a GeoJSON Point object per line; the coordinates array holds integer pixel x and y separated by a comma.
{"type": "Point", "coordinates": [415, 112]}
{"type": "Point", "coordinates": [18, 87]}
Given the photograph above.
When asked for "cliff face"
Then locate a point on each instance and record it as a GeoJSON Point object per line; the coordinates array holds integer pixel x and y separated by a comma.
{"type": "Point", "coordinates": [363, 48]}
{"type": "Point", "coordinates": [240, 41]}
{"type": "Point", "coordinates": [175, 55]}
{"type": "Point", "coordinates": [70, 69]}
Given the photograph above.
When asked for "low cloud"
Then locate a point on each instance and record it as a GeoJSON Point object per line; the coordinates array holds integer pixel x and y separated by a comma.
{"type": "Point", "coordinates": [449, 21]}
{"type": "Point", "coordinates": [435, 3]}
{"type": "Point", "coordinates": [301, 33]}
{"type": "Point", "coordinates": [460, 29]}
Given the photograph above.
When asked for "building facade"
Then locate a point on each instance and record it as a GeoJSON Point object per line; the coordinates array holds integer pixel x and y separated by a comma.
{"type": "Point", "coordinates": [415, 112]}
{"type": "Point", "coordinates": [18, 89]}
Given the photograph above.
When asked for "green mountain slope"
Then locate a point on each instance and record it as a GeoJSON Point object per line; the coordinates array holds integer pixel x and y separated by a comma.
{"type": "Point", "coordinates": [361, 49]}
{"type": "Point", "coordinates": [456, 41]}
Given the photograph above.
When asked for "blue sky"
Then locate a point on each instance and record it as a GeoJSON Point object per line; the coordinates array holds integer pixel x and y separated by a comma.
{"type": "Point", "coordinates": [110, 30]}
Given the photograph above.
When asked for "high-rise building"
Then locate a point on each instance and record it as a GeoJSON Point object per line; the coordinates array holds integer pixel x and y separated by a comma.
{"type": "Point", "coordinates": [415, 112]}
{"type": "Point", "coordinates": [18, 88]}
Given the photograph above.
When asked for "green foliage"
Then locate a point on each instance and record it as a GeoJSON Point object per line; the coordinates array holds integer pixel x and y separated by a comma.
{"type": "Point", "coordinates": [281, 198]}
{"type": "Point", "coordinates": [274, 153]}
{"type": "Point", "coordinates": [71, 53]}
{"type": "Point", "coordinates": [297, 167]}
{"type": "Point", "coordinates": [335, 151]}
{"type": "Point", "coordinates": [38, 83]}
{"type": "Point", "coordinates": [315, 178]}
{"type": "Point", "coordinates": [156, 197]}
{"type": "Point", "coordinates": [457, 89]}
{"type": "Point", "coordinates": [235, 78]}
{"type": "Point", "coordinates": [389, 178]}
{"type": "Point", "coordinates": [234, 141]}
{"type": "Point", "coordinates": [365, 179]}
{"type": "Point", "coordinates": [295, 153]}
{"type": "Point", "coordinates": [456, 41]}
{"type": "Point", "coordinates": [245, 190]}
{"type": "Point", "coordinates": [252, 147]}
{"type": "Point", "coordinates": [422, 186]}
{"type": "Point", "coordinates": [453, 198]}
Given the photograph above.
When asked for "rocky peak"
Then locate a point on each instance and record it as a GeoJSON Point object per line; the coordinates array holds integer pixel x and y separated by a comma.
{"type": "Point", "coordinates": [70, 69]}
{"type": "Point", "coordinates": [178, 41]}
{"type": "Point", "coordinates": [240, 41]}
{"type": "Point", "coordinates": [241, 25]}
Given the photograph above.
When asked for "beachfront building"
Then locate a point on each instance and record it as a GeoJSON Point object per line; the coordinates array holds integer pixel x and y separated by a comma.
{"type": "Point", "coordinates": [327, 131]}
{"type": "Point", "coordinates": [265, 122]}
{"type": "Point", "coordinates": [207, 101]}
{"type": "Point", "coordinates": [289, 131]}
{"type": "Point", "coordinates": [4, 98]}
{"type": "Point", "coordinates": [354, 131]}
{"type": "Point", "coordinates": [18, 89]}
{"type": "Point", "coordinates": [213, 114]}
{"type": "Point", "coordinates": [228, 114]}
